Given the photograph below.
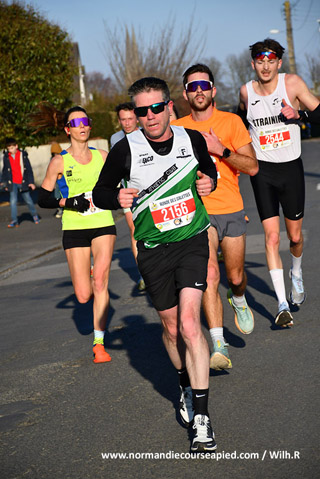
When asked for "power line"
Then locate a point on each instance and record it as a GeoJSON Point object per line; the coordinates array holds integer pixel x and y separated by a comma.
{"type": "Point", "coordinates": [306, 17]}
{"type": "Point", "coordinates": [315, 34]}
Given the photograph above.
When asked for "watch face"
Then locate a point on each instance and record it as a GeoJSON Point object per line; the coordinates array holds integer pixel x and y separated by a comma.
{"type": "Point", "coordinates": [226, 153]}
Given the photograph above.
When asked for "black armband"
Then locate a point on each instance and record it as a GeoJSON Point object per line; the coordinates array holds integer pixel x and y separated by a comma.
{"type": "Point", "coordinates": [310, 116]}
{"type": "Point", "coordinates": [46, 200]}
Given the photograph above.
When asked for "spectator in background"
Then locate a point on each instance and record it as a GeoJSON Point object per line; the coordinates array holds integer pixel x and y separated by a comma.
{"type": "Point", "coordinates": [17, 175]}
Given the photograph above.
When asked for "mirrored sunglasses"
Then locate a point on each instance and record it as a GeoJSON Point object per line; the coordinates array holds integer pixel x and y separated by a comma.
{"type": "Point", "coordinates": [192, 86]}
{"type": "Point", "coordinates": [270, 55]}
{"type": "Point", "coordinates": [77, 121]}
{"type": "Point", "coordinates": [155, 108]}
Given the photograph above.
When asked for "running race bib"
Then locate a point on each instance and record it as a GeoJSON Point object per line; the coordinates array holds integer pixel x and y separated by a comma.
{"type": "Point", "coordinates": [278, 137]}
{"type": "Point", "coordinates": [93, 208]}
{"type": "Point", "coordinates": [174, 211]}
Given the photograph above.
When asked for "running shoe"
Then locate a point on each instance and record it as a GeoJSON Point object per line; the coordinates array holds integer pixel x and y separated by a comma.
{"type": "Point", "coordinates": [297, 293]}
{"type": "Point", "coordinates": [100, 354]}
{"type": "Point", "coordinates": [13, 224]}
{"type": "Point", "coordinates": [243, 315]}
{"type": "Point", "coordinates": [36, 219]}
{"type": "Point", "coordinates": [58, 213]}
{"type": "Point", "coordinates": [284, 316]}
{"type": "Point", "coordinates": [204, 436]}
{"type": "Point", "coordinates": [141, 284]}
{"type": "Point", "coordinates": [220, 257]}
{"type": "Point", "coordinates": [220, 359]}
{"type": "Point", "coordinates": [186, 406]}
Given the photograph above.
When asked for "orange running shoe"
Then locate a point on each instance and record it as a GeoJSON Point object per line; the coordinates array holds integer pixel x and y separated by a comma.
{"type": "Point", "coordinates": [100, 354]}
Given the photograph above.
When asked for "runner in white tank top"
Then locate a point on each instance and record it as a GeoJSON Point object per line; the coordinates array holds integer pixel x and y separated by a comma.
{"type": "Point", "coordinates": [270, 105]}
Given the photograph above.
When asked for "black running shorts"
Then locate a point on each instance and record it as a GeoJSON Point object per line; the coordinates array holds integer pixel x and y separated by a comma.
{"type": "Point", "coordinates": [279, 184]}
{"type": "Point", "coordinates": [168, 268]}
{"type": "Point", "coordinates": [83, 238]}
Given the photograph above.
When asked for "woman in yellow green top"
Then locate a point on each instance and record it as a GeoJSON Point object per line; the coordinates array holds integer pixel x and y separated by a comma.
{"type": "Point", "coordinates": [86, 228]}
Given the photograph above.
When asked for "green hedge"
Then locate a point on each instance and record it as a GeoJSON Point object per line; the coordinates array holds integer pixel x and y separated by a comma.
{"type": "Point", "coordinates": [102, 125]}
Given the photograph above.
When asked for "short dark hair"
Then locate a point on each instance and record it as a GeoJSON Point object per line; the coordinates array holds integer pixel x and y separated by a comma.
{"type": "Point", "coordinates": [11, 142]}
{"type": "Point", "coordinates": [72, 110]}
{"type": "Point", "coordinates": [128, 106]}
{"type": "Point", "coordinates": [268, 44]}
{"type": "Point", "coordinates": [149, 83]}
{"type": "Point", "coordinates": [197, 68]}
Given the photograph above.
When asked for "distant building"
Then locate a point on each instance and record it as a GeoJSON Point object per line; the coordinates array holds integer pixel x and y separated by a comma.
{"type": "Point", "coordinates": [80, 94]}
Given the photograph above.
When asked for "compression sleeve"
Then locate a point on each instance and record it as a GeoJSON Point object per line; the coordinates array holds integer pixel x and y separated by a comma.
{"type": "Point", "coordinates": [206, 164]}
{"type": "Point", "coordinates": [243, 116]}
{"type": "Point", "coordinates": [310, 116]}
{"type": "Point", "coordinates": [116, 167]}
{"type": "Point", "coordinates": [46, 200]}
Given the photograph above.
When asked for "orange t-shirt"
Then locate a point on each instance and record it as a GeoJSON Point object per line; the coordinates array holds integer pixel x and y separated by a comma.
{"type": "Point", "coordinates": [230, 128]}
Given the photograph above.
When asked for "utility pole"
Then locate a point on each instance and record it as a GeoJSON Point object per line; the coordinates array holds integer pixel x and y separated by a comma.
{"type": "Point", "coordinates": [292, 61]}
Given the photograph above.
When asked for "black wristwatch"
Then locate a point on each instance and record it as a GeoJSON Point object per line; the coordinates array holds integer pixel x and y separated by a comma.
{"type": "Point", "coordinates": [226, 153]}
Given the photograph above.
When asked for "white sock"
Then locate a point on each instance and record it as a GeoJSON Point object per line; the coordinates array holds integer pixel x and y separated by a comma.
{"type": "Point", "coordinates": [296, 265]}
{"type": "Point", "coordinates": [278, 284]}
{"type": "Point", "coordinates": [238, 300]}
{"type": "Point", "coordinates": [98, 337]}
{"type": "Point", "coordinates": [217, 334]}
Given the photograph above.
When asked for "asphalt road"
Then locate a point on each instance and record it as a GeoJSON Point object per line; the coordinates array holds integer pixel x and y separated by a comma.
{"type": "Point", "coordinates": [59, 412]}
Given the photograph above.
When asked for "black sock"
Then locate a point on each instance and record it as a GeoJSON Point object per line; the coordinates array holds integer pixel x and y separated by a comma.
{"type": "Point", "coordinates": [183, 377]}
{"type": "Point", "coordinates": [200, 401]}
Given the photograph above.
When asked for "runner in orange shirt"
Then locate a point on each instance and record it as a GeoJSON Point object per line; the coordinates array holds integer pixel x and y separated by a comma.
{"type": "Point", "coordinates": [230, 147]}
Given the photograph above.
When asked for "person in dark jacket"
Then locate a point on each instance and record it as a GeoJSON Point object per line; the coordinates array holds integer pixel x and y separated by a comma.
{"type": "Point", "coordinates": [17, 175]}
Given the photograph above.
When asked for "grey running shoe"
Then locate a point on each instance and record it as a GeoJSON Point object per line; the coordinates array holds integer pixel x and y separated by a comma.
{"type": "Point", "coordinates": [186, 406]}
{"type": "Point", "coordinates": [141, 284]}
{"type": "Point", "coordinates": [297, 294]}
{"type": "Point", "coordinates": [220, 359]}
{"type": "Point", "coordinates": [204, 436]}
{"type": "Point", "coordinates": [243, 316]}
{"type": "Point", "coordinates": [284, 316]}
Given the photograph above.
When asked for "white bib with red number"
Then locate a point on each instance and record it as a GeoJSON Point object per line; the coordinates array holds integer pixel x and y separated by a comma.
{"type": "Point", "coordinates": [92, 208]}
{"type": "Point", "coordinates": [276, 137]}
{"type": "Point", "coordinates": [173, 211]}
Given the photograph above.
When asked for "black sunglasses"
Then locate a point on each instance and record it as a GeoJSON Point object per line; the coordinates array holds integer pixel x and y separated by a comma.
{"type": "Point", "coordinates": [155, 108]}
{"type": "Point", "coordinates": [192, 86]}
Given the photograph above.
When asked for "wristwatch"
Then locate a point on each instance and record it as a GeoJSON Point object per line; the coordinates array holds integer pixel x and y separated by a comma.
{"type": "Point", "coordinates": [226, 153]}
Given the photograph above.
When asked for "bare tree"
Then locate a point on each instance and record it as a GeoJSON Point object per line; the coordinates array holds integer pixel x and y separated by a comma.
{"type": "Point", "coordinates": [166, 54]}
{"type": "Point", "coordinates": [313, 68]}
{"type": "Point", "coordinates": [97, 84]}
{"type": "Point", "coordinates": [239, 72]}
{"type": "Point", "coordinates": [223, 98]}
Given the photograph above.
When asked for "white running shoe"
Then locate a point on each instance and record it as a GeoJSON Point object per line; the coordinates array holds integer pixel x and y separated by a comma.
{"type": "Point", "coordinates": [297, 293]}
{"type": "Point", "coordinates": [204, 436]}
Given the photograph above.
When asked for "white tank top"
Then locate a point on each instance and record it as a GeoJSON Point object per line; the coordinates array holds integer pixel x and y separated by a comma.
{"type": "Point", "coordinates": [273, 139]}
